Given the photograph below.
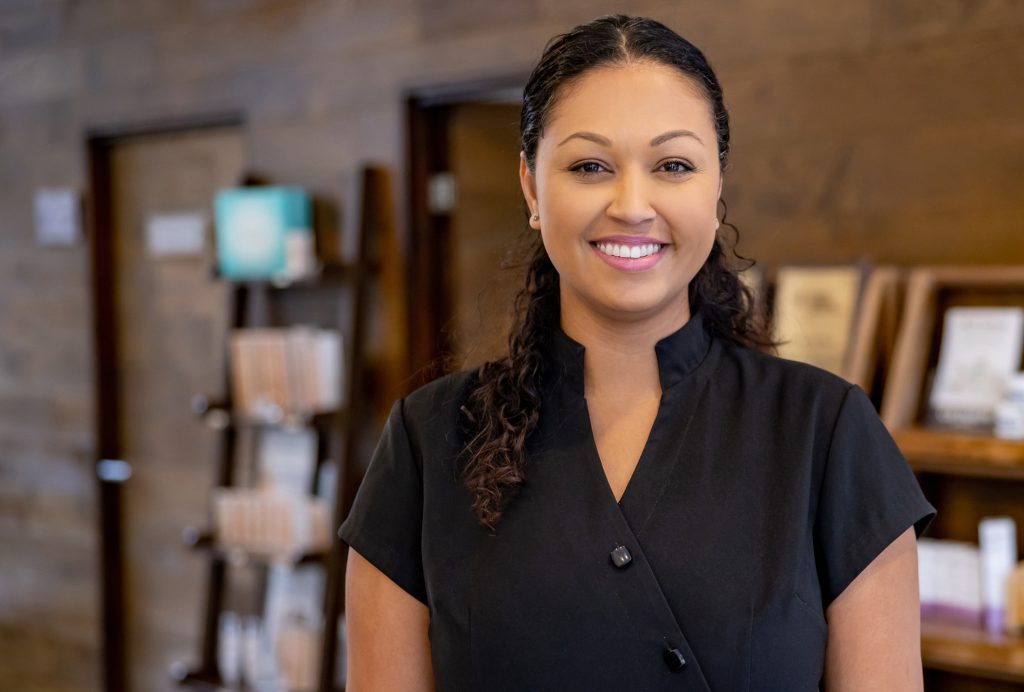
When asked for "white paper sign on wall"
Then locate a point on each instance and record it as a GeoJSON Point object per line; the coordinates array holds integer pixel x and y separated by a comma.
{"type": "Point", "coordinates": [58, 216]}
{"type": "Point", "coordinates": [181, 234]}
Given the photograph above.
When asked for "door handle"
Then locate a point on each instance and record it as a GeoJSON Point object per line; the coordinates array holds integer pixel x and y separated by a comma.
{"type": "Point", "coordinates": [113, 470]}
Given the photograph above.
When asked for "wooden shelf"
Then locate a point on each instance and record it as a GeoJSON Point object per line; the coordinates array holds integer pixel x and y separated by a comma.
{"type": "Point", "coordinates": [962, 454]}
{"type": "Point", "coordinates": [325, 272]}
{"type": "Point", "coordinates": [289, 421]}
{"type": "Point", "coordinates": [185, 676]}
{"type": "Point", "coordinates": [218, 415]}
{"type": "Point", "coordinates": [204, 540]}
{"type": "Point", "coordinates": [209, 681]}
{"type": "Point", "coordinates": [972, 651]}
{"type": "Point", "coordinates": [329, 273]}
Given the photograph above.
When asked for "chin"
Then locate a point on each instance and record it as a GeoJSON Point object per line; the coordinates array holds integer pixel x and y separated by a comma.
{"type": "Point", "coordinates": [640, 307]}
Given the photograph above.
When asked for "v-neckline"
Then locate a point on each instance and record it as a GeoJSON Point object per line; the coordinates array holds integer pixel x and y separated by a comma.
{"type": "Point", "coordinates": [595, 454]}
{"type": "Point", "coordinates": [657, 464]}
{"type": "Point", "coordinates": [682, 359]}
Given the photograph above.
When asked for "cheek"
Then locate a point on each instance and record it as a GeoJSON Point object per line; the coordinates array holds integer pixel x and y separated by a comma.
{"type": "Point", "coordinates": [560, 248]}
{"type": "Point", "coordinates": [692, 215]}
{"type": "Point", "coordinates": [569, 216]}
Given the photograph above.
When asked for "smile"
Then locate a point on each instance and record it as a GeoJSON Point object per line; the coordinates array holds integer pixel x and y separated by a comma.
{"type": "Point", "coordinates": [628, 251]}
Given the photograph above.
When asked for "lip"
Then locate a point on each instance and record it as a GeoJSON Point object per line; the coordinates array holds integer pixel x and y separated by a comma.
{"type": "Point", "coordinates": [628, 264]}
{"type": "Point", "coordinates": [628, 240]}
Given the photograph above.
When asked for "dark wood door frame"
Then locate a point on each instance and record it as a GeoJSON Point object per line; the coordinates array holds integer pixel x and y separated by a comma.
{"type": "Point", "coordinates": [429, 112]}
{"type": "Point", "coordinates": [99, 143]}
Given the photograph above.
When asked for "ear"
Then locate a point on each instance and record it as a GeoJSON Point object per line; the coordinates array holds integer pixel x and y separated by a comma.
{"type": "Point", "coordinates": [528, 181]}
{"type": "Point", "coordinates": [718, 223]}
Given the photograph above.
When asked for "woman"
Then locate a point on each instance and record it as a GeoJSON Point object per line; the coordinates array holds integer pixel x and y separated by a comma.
{"type": "Point", "coordinates": [637, 497]}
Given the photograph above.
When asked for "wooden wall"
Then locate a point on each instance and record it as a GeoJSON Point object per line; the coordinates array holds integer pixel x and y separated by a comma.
{"type": "Point", "coordinates": [890, 129]}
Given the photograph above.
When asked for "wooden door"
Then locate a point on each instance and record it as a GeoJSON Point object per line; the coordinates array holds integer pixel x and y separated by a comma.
{"type": "Point", "coordinates": [163, 338]}
{"type": "Point", "coordinates": [466, 219]}
{"type": "Point", "coordinates": [488, 229]}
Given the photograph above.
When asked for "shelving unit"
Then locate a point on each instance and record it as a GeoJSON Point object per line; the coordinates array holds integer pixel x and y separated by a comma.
{"type": "Point", "coordinates": [337, 298]}
{"type": "Point", "coordinates": [966, 475]}
{"type": "Point", "coordinates": [962, 454]}
{"type": "Point", "coordinates": [972, 651]}
{"type": "Point", "coordinates": [261, 304]}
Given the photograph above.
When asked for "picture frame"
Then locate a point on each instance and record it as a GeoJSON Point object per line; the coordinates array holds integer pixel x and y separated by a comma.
{"type": "Point", "coordinates": [916, 349]}
{"type": "Point", "coordinates": [875, 331]}
{"type": "Point", "coordinates": [816, 313]}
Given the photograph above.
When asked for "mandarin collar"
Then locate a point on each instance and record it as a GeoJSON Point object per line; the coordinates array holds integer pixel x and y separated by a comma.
{"type": "Point", "coordinates": [678, 355]}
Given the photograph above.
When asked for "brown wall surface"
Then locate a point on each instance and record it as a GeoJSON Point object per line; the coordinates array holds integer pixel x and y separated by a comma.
{"type": "Point", "coordinates": [892, 129]}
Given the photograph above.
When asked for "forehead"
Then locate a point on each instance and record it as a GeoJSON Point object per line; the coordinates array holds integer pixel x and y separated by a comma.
{"type": "Point", "coordinates": [645, 97]}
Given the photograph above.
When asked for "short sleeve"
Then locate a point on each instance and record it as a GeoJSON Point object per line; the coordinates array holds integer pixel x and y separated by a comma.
{"type": "Point", "coordinates": [385, 524]}
{"type": "Point", "coordinates": [869, 496]}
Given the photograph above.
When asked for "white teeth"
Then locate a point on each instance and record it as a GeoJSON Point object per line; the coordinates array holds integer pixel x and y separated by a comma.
{"type": "Point", "coordinates": [628, 251]}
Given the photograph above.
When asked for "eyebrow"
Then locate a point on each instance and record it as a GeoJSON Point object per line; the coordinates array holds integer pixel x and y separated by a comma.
{"type": "Point", "coordinates": [605, 142]}
{"type": "Point", "coordinates": [589, 136]}
{"type": "Point", "coordinates": [661, 139]}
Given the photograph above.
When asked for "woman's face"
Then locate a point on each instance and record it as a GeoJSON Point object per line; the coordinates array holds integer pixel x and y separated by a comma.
{"type": "Point", "coordinates": [626, 182]}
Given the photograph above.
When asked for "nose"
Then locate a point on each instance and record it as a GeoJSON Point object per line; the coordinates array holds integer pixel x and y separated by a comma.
{"type": "Point", "coordinates": [631, 203]}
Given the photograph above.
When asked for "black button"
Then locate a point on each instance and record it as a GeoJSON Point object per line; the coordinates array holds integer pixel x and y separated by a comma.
{"type": "Point", "coordinates": [674, 659]}
{"type": "Point", "coordinates": [621, 557]}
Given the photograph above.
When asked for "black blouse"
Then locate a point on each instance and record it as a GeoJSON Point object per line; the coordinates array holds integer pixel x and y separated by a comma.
{"type": "Point", "coordinates": [764, 488]}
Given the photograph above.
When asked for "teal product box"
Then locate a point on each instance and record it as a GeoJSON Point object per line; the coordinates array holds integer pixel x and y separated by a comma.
{"type": "Point", "coordinates": [264, 233]}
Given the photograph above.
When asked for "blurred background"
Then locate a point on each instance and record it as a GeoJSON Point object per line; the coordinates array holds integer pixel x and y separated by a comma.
{"type": "Point", "coordinates": [866, 133]}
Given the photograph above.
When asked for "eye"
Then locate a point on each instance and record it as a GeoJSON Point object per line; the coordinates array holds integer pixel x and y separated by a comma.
{"type": "Point", "coordinates": [676, 167]}
{"type": "Point", "coordinates": [588, 169]}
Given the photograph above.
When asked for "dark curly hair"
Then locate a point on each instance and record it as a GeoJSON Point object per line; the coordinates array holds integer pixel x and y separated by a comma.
{"type": "Point", "coordinates": [503, 406]}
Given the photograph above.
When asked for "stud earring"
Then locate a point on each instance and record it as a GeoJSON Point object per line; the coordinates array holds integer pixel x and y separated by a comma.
{"type": "Point", "coordinates": [535, 217]}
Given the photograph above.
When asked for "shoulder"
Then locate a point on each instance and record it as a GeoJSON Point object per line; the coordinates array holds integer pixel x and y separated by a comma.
{"type": "Point", "coordinates": [433, 412]}
{"type": "Point", "coordinates": [778, 396]}
{"type": "Point", "coordinates": [444, 393]}
{"type": "Point", "coordinates": [767, 371]}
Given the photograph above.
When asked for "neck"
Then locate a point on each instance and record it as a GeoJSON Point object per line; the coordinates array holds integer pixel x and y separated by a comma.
{"type": "Point", "coordinates": [620, 360]}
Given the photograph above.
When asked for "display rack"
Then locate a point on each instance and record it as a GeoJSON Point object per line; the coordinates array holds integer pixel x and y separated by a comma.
{"type": "Point", "coordinates": [335, 298]}
{"type": "Point", "coordinates": [972, 652]}
{"type": "Point", "coordinates": [967, 476]}
{"type": "Point", "coordinates": [875, 329]}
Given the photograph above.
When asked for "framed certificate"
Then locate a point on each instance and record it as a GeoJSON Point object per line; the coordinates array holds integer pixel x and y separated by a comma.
{"type": "Point", "coordinates": [961, 328]}
{"type": "Point", "coordinates": [815, 309]}
{"type": "Point", "coordinates": [980, 350]}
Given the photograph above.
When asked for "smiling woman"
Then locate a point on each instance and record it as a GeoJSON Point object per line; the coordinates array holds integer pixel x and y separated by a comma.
{"type": "Point", "coordinates": [638, 495]}
{"type": "Point", "coordinates": [630, 160]}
